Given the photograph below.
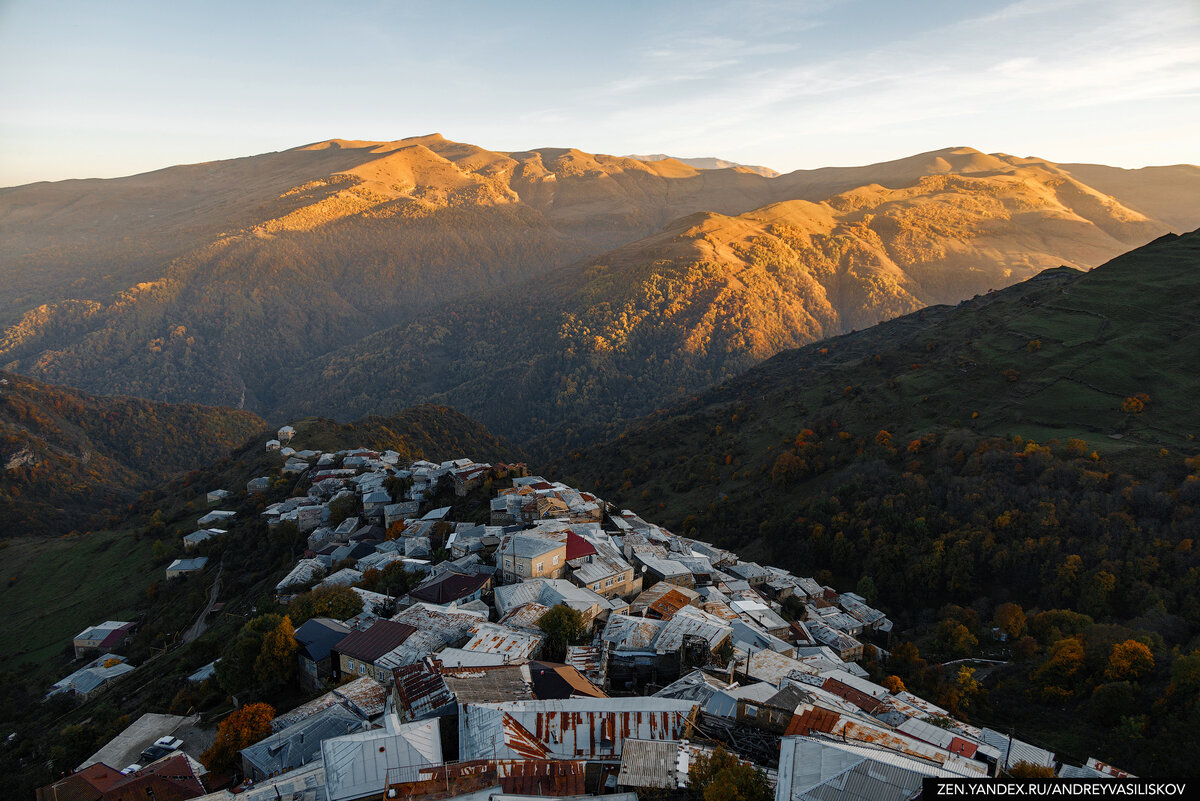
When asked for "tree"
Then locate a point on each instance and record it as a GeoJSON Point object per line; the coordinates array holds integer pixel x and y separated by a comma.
{"type": "Point", "coordinates": [276, 662]}
{"type": "Point", "coordinates": [955, 639]}
{"type": "Point", "coordinates": [1010, 618]}
{"type": "Point", "coordinates": [1128, 661]}
{"type": "Point", "coordinates": [563, 626]}
{"type": "Point", "coordinates": [723, 777]}
{"type": "Point", "coordinates": [1027, 770]}
{"type": "Point", "coordinates": [236, 670]}
{"type": "Point", "coordinates": [894, 684]}
{"type": "Point", "coordinates": [867, 589]}
{"type": "Point", "coordinates": [338, 603]}
{"type": "Point", "coordinates": [242, 728]}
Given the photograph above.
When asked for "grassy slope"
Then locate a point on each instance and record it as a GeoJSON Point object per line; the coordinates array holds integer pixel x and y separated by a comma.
{"type": "Point", "coordinates": [55, 588]}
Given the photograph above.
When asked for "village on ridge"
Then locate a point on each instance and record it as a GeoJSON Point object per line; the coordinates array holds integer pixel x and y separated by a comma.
{"type": "Point", "coordinates": [453, 690]}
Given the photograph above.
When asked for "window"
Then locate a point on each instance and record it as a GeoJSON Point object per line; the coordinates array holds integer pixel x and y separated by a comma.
{"type": "Point", "coordinates": [362, 668]}
{"type": "Point", "coordinates": [521, 569]}
{"type": "Point", "coordinates": [608, 582]}
{"type": "Point", "coordinates": [537, 569]}
{"type": "Point", "coordinates": [596, 587]}
{"type": "Point", "coordinates": [556, 559]}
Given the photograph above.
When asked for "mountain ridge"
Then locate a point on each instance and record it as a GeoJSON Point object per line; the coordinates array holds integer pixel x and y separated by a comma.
{"type": "Point", "coordinates": [257, 268]}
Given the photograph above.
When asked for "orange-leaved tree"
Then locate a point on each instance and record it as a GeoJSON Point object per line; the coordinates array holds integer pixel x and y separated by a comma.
{"type": "Point", "coordinates": [243, 727]}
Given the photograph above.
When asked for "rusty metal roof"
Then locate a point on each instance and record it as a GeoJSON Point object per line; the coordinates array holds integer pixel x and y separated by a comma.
{"type": "Point", "coordinates": [663, 600]}
{"type": "Point", "coordinates": [420, 690]}
{"type": "Point", "coordinates": [577, 727]}
{"type": "Point", "coordinates": [552, 680]}
{"type": "Point", "coordinates": [492, 638]}
{"type": "Point", "coordinates": [525, 616]}
{"type": "Point", "coordinates": [488, 684]}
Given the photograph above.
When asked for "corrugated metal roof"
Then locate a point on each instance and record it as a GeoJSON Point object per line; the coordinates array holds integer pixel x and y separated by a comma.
{"type": "Point", "coordinates": [525, 616]}
{"type": "Point", "coordinates": [496, 639]}
{"type": "Point", "coordinates": [696, 686]}
{"type": "Point", "coordinates": [649, 763]}
{"type": "Point", "coordinates": [820, 770]}
{"type": "Point", "coordinates": [420, 690]}
{"type": "Point", "coordinates": [691, 622]}
{"type": "Point", "coordinates": [357, 765]}
{"type": "Point", "coordinates": [663, 600]}
{"type": "Point", "coordinates": [578, 727]}
{"type": "Point", "coordinates": [299, 743]}
{"type": "Point", "coordinates": [457, 657]}
{"type": "Point", "coordinates": [1013, 750]}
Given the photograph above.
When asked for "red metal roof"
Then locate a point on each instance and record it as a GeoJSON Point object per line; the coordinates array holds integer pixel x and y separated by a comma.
{"type": "Point", "coordinates": [115, 636]}
{"type": "Point", "coordinates": [963, 747]}
{"type": "Point", "coordinates": [577, 547]}
{"type": "Point", "coordinates": [860, 699]}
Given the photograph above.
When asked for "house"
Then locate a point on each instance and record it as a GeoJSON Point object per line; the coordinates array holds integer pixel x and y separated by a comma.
{"type": "Point", "coordinates": [181, 567]}
{"type": "Point", "coordinates": [468, 478]}
{"type": "Point", "coordinates": [750, 572]}
{"type": "Point", "coordinates": [532, 554]}
{"type": "Point", "coordinates": [430, 688]}
{"type": "Point", "coordinates": [216, 516]}
{"type": "Point", "coordinates": [193, 540]}
{"type": "Point", "coordinates": [364, 696]}
{"type": "Point", "coordinates": [663, 600]}
{"type": "Point", "coordinates": [258, 484]}
{"type": "Point", "coordinates": [811, 768]}
{"type": "Point", "coordinates": [846, 647]}
{"type": "Point", "coordinates": [171, 779]}
{"type": "Point", "coordinates": [596, 563]}
{"type": "Point", "coordinates": [298, 744]}
{"type": "Point", "coordinates": [761, 615]}
{"type": "Point", "coordinates": [286, 433]}
{"type": "Point", "coordinates": [216, 496]}
{"type": "Point", "coordinates": [358, 765]}
{"type": "Point", "coordinates": [316, 639]}
{"type": "Point", "coordinates": [514, 644]}
{"type": "Point", "coordinates": [102, 638]}
{"type": "Point", "coordinates": [574, 728]}
{"type": "Point", "coordinates": [92, 679]}
{"type": "Point", "coordinates": [358, 652]}
{"type": "Point", "coordinates": [453, 587]}
{"type": "Point", "coordinates": [668, 570]}
{"type": "Point", "coordinates": [551, 593]}
{"type": "Point", "coordinates": [375, 502]}
{"type": "Point", "coordinates": [273, 445]}
{"type": "Point", "coordinates": [553, 681]}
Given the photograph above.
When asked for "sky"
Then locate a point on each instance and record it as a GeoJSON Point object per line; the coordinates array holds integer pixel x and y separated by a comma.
{"type": "Point", "coordinates": [92, 89]}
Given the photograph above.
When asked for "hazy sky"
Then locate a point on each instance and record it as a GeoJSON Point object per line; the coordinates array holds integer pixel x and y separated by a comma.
{"type": "Point", "coordinates": [111, 88]}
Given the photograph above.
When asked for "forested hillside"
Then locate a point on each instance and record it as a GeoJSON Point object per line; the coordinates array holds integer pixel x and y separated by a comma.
{"type": "Point", "coordinates": [67, 456]}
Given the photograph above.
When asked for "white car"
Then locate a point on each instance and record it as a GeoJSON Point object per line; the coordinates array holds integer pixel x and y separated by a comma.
{"type": "Point", "coordinates": [134, 768]}
{"type": "Point", "coordinates": [174, 743]}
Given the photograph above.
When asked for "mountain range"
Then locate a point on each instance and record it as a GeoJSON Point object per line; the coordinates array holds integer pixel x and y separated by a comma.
{"type": "Point", "coordinates": [542, 291]}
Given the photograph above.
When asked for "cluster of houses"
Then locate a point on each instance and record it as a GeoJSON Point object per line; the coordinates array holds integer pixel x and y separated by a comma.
{"type": "Point", "coordinates": [451, 690]}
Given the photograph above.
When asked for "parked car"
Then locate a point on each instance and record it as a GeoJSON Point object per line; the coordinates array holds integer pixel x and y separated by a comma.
{"type": "Point", "coordinates": [173, 743]}
{"type": "Point", "coordinates": [155, 752]}
{"type": "Point", "coordinates": [134, 768]}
